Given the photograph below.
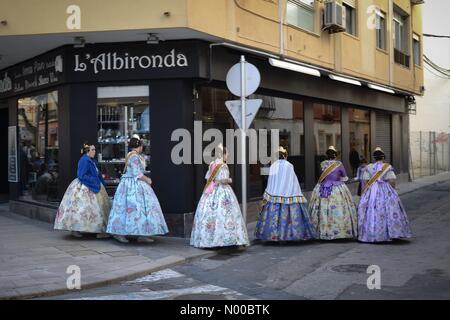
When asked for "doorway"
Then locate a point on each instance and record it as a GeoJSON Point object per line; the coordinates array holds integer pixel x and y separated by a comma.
{"type": "Point", "coordinates": [4, 184]}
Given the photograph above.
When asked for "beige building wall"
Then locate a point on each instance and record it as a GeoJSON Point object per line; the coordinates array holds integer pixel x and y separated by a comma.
{"type": "Point", "coordinates": [254, 23]}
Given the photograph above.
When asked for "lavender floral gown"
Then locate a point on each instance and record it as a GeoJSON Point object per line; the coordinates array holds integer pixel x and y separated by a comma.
{"type": "Point", "coordinates": [218, 220]}
{"type": "Point", "coordinates": [332, 210]}
{"type": "Point", "coordinates": [381, 215]}
{"type": "Point", "coordinates": [136, 210]}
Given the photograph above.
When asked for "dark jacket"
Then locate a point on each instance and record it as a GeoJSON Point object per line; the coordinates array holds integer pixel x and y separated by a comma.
{"type": "Point", "coordinates": [89, 174]}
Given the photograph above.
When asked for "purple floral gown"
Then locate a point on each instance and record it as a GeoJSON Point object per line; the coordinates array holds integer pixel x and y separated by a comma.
{"type": "Point", "coordinates": [332, 210]}
{"type": "Point", "coordinates": [381, 215]}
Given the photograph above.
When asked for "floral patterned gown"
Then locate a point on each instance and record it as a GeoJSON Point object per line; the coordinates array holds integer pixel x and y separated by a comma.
{"type": "Point", "coordinates": [136, 210]}
{"type": "Point", "coordinates": [218, 220]}
{"type": "Point", "coordinates": [332, 210]}
{"type": "Point", "coordinates": [284, 215]}
{"type": "Point", "coordinates": [381, 215]}
{"type": "Point", "coordinates": [81, 209]}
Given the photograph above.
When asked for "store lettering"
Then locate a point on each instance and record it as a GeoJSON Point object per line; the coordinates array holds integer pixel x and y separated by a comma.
{"type": "Point", "coordinates": [5, 84]}
{"type": "Point", "coordinates": [113, 61]}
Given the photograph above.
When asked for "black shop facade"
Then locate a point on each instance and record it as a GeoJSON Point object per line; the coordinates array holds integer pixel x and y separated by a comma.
{"type": "Point", "coordinates": [105, 93]}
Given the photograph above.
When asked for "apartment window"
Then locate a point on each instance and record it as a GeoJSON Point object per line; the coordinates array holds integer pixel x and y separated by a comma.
{"type": "Point", "coordinates": [381, 29]}
{"type": "Point", "coordinates": [350, 16]}
{"type": "Point", "coordinates": [300, 13]}
{"type": "Point", "coordinates": [401, 54]}
{"type": "Point", "coordinates": [416, 49]}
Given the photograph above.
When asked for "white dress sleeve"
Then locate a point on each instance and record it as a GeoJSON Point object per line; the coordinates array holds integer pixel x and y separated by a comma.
{"type": "Point", "coordinates": [366, 173]}
{"type": "Point", "coordinates": [223, 173]}
{"type": "Point", "coordinates": [390, 174]}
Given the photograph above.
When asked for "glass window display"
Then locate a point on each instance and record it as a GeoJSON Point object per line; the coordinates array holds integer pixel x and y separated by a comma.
{"type": "Point", "coordinates": [38, 152]}
{"type": "Point", "coordinates": [122, 112]}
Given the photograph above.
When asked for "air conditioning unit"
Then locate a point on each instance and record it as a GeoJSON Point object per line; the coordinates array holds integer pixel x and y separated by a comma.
{"type": "Point", "coordinates": [334, 17]}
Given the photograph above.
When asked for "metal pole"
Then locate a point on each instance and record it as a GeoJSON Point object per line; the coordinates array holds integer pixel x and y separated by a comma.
{"type": "Point", "coordinates": [420, 153]}
{"type": "Point", "coordinates": [243, 140]}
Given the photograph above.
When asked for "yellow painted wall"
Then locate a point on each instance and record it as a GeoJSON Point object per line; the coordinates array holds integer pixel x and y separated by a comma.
{"type": "Point", "coordinates": [49, 16]}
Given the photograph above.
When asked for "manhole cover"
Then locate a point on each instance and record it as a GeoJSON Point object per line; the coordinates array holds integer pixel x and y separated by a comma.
{"type": "Point", "coordinates": [350, 268]}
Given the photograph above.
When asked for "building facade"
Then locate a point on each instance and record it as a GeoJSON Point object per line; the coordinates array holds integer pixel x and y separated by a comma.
{"type": "Point", "coordinates": [153, 67]}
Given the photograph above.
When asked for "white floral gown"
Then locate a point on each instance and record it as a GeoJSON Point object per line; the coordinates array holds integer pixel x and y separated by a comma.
{"type": "Point", "coordinates": [218, 221]}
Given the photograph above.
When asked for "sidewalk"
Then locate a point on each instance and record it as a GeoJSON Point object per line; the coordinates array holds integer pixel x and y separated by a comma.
{"type": "Point", "coordinates": [34, 258]}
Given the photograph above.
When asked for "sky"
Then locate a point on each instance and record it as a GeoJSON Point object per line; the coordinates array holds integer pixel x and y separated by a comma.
{"type": "Point", "coordinates": [436, 20]}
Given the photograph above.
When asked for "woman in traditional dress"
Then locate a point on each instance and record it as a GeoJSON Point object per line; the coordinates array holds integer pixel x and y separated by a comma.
{"type": "Point", "coordinates": [85, 205]}
{"type": "Point", "coordinates": [332, 210]}
{"type": "Point", "coordinates": [381, 215]}
{"type": "Point", "coordinates": [218, 220]}
{"type": "Point", "coordinates": [284, 216]}
{"type": "Point", "coordinates": [136, 210]}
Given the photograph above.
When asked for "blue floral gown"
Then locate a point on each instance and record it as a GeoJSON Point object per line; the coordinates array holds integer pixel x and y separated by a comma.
{"type": "Point", "coordinates": [136, 210]}
{"type": "Point", "coordinates": [218, 221]}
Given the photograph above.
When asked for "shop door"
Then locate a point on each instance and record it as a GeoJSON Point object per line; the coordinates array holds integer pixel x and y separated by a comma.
{"type": "Point", "coordinates": [384, 134]}
{"type": "Point", "coordinates": [4, 185]}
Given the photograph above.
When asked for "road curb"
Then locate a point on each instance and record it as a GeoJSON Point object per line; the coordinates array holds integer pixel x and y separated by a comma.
{"type": "Point", "coordinates": [95, 281]}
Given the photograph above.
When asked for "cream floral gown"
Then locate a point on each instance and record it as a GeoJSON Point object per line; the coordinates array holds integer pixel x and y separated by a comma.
{"type": "Point", "coordinates": [218, 221]}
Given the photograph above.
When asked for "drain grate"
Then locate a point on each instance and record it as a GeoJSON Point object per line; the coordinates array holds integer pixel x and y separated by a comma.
{"type": "Point", "coordinates": [350, 268]}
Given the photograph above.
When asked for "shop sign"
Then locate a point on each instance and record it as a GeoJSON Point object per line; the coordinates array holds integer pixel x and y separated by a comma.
{"type": "Point", "coordinates": [36, 74]}
{"type": "Point", "coordinates": [110, 61]}
{"type": "Point", "coordinates": [13, 175]}
{"type": "Point", "coordinates": [133, 61]}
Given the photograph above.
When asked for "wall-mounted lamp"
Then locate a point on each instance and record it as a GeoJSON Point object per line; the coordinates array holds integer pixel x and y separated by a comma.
{"type": "Point", "coordinates": [152, 38]}
{"type": "Point", "coordinates": [412, 105]}
{"type": "Point", "coordinates": [380, 88]}
{"type": "Point", "coordinates": [293, 67]}
{"type": "Point", "coordinates": [79, 42]}
{"type": "Point", "coordinates": [345, 79]}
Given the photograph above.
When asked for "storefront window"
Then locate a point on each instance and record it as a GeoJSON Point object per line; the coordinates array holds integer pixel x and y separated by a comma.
{"type": "Point", "coordinates": [121, 113]}
{"type": "Point", "coordinates": [359, 138]}
{"type": "Point", "coordinates": [327, 131]}
{"type": "Point", "coordinates": [287, 116]}
{"type": "Point", "coordinates": [38, 136]}
{"type": "Point", "coordinates": [275, 113]}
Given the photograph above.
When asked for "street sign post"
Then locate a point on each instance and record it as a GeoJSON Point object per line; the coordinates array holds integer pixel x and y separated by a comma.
{"type": "Point", "coordinates": [243, 79]}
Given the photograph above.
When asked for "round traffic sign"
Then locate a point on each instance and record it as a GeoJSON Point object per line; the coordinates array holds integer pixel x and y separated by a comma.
{"type": "Point", "coordinates": [253, 79]}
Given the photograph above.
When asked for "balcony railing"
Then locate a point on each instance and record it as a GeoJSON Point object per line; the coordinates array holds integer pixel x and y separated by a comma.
{"type": "Point", "coordinates": [402, 58]}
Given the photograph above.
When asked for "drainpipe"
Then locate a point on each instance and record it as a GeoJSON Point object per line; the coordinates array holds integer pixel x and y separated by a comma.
{"type": "Point", "coordinates": [281, 31]}
{"type": "Point", "coordinates": [391, 42]}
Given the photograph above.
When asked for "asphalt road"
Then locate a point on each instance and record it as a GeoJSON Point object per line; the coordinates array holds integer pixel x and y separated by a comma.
{"type": "Point", "coordinates": [415, 269]}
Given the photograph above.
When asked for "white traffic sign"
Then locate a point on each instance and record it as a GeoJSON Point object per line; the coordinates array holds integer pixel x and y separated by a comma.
{"type": "Point", "coordinates": [252, 76]}
{"type": "Point", "coordinates": [235, 108]}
